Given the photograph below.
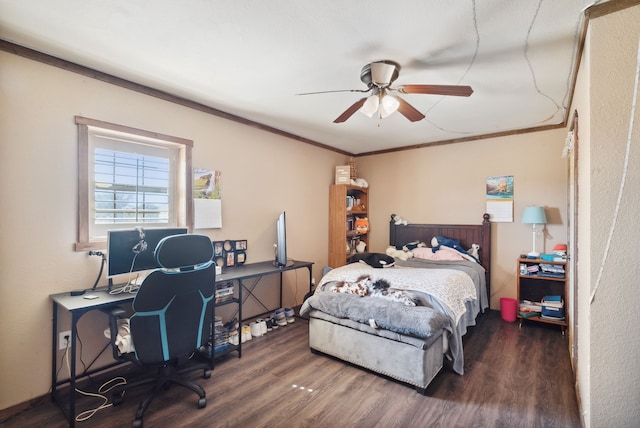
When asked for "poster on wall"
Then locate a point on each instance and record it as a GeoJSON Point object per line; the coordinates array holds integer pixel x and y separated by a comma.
{"type": "Point", "coordinates": [207, 203]}
{"type": "Point", "coordinates": [499, 196]}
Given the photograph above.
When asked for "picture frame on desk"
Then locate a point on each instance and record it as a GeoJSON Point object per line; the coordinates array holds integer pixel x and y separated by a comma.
{"type": "Point", "coordinates": [218, 248]}
{"type": "Point", "coordinates": [230, 258]}
{"type": "Point", "coordinates": [241, 245]}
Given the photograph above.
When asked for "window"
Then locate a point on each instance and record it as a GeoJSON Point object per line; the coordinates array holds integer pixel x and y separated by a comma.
{"type": "Point", "coordinates": [128, 177]}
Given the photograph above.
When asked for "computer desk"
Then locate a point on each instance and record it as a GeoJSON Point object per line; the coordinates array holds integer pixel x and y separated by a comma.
{"type": "Point", "coordinates": [77, 306]}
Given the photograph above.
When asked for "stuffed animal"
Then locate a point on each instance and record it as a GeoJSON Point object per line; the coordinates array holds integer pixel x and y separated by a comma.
{"type": "Point", "coordinates": [361, 225]}
{"type": "Point", "coordinates": [360, 182]}
{"type": "Point", "coordinates": [473, 251]}
{"type": "Point", "coordinates": [412, 246]}
{"type": "Point", "coordinates": [437, 241]}
{"type": "Point", "coordinates": [361, 246]}
{"type": "Point", "coordinates": [398, 254]}
{"type": "Point", "coordinates": [397, 220]}
{"type": "Point", "coordinates": [374, 260]}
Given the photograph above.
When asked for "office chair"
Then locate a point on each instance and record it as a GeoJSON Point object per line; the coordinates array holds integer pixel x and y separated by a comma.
{"type": "Point", "coordinates": [172, 318]}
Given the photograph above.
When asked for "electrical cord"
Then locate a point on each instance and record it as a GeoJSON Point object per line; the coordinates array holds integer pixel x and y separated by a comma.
{"type": "Point", "coordinates": [104, 260]}
{"type": "Point", "coordinates": [128, 287]}
{"type": "Point", "coordinates": [102, 391]}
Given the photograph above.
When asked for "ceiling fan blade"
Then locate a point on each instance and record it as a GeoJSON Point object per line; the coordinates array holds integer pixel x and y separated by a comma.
{"type": "Point", "coordinates": [349, 112]}
{"type": "Point", "coordinates": [338, 90]}
{"type": "Point", "coordinates": [456, 90]}
{"type": "Point", "coordinates": [408, 111]}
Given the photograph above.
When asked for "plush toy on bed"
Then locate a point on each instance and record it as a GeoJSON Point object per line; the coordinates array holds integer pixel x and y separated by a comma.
{"type": "Point", "coordinates": [398, 254]}
{"type": "Point", "coordinates": [412, 246]}
{"type": "Point", "coordinates": [473, 251]}
{"type": "Point", "coordinates": [438, 241]}
{"type": "Point", "coordinates": [397, 220]}
{"type": "Point", "coordinates": [374, 260]}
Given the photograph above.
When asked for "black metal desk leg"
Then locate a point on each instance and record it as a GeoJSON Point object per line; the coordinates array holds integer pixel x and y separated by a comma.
{"type": "Point", "coordinates": [280, 290]}
{"type": "Point", "coordinates": [310, 279]}
{"type": "Point", "coordinates": [72, 369]}
{"type": "Point", "coordinates": [54, 340]}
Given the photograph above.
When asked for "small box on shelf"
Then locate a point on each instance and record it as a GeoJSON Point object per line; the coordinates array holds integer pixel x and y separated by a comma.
{"type": "Point", "coordinates": [553, 307]}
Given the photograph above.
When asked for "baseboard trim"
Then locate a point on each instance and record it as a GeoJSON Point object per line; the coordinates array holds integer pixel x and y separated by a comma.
{"type": "Point", "coordinates": [11, 411]}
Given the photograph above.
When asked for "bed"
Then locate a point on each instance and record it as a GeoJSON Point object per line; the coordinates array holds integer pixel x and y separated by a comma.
{"type": "Point", "coordinates": [390, 336]}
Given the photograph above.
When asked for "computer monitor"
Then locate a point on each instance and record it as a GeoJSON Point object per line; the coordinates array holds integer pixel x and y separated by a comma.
{"type": "Point", "coordinates": [131, 250]}
{"type": "Point", "coordinates": [281, 240]}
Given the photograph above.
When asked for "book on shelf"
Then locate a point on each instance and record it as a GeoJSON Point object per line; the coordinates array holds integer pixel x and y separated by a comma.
{"type": "Point", "coordinates": [546, 317]}
{"type": "Point", "coordinates": [529, 306]}
{"type": "Point", "coordinates": [530, 314]}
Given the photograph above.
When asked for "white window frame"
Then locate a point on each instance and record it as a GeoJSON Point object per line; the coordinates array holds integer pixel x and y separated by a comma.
{"type": "Point", "coordinates": [94, 133]}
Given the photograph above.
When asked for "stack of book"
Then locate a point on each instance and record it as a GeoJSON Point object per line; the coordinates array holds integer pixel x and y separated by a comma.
{"type": "Point", "coordinates": [220, 335]}
{"type": "Point", "coordinates": [529, 309]}
{"type": "Point", "coordinates": [551, 271]}
{"type": "Point", "coordinates": [224, 291]}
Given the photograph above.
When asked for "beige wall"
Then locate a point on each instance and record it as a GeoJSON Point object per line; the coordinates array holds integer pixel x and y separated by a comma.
{"type": "Point", "coordinates": [446, 184]}
{"type": "Point", "coordinates": [262, 175]}
{"type": "Point", "coordinates": [611, 389]}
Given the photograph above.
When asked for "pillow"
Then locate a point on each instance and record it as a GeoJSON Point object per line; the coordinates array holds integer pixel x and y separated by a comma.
{"type": "Point", "coordinates": [443, 253]}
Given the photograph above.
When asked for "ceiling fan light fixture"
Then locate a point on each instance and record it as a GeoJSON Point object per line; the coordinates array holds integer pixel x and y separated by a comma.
{"type": "Point", "coordinates": [383, 73]}
{"type": "Point", "coordinates": [370, 106]}
{"type": "Point", "coordinates": [388, 105]}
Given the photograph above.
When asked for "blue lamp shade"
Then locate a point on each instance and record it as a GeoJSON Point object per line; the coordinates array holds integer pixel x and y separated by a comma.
{"type": "Point", "coordinates": [534, 215]}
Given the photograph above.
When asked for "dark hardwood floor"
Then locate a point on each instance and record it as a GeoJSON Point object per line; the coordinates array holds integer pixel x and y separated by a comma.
{"type": "Point", "coordinates": [513, 378]}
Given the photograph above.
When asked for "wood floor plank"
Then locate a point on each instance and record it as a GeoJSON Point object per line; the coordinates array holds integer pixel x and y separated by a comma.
{"type": "Point", "coordinates": [513, 377]}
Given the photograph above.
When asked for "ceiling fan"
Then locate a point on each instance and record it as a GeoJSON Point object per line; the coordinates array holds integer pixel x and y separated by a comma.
{"type": "Point", "coordinates": [378, 76]}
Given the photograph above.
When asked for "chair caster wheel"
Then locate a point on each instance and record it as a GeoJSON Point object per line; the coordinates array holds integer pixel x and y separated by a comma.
{"type": "Point", "coordinates": [137, 423]}
{"type": "Point", "coordinates": [117, 398]}
{"type": "Point", "coordinates": [207, 374]}
{"type": "Point", "coordinates": [202, 403]}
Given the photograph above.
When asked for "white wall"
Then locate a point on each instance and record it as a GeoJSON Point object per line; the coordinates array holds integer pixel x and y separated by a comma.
{"type": "Point", "coordinates": [611, 230]}
{"type": "Point", "coordinates": [582, 219]}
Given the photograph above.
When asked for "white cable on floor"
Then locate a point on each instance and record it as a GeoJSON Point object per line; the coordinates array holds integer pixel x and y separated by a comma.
{"type": "Point", "coordinates": [614, 221]}
{"type": "Point", "coordinates": [102, 391]}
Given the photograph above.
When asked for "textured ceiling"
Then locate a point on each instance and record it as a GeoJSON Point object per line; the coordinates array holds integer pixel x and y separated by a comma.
{"type": "Point", "coordinates": [251, 58]}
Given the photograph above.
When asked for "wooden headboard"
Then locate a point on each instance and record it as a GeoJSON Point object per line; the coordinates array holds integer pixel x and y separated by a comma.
{"type": "Point", "coordinates": [467, 234]}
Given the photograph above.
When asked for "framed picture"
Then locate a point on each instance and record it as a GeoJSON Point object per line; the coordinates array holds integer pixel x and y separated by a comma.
{"type": "Point", "coordinates": [231, 258]}
{"type": "Point", "coordinates": [241, 245]}
{"type": "Point", "coordinates": [218, 248]}
{"type": "Point", "coordinates": [241, 257]}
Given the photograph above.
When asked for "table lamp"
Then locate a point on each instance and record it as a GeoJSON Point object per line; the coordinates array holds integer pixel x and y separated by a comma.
{"type": "Point", "coordinates": [534, 215]}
